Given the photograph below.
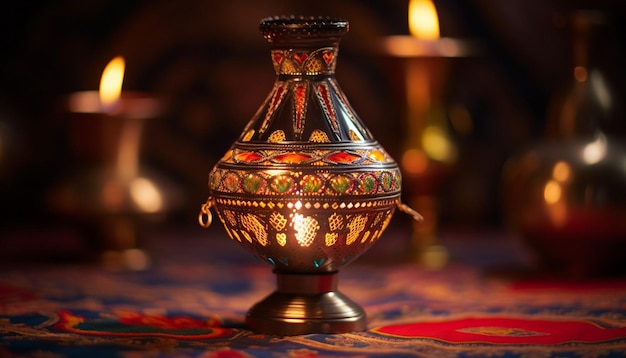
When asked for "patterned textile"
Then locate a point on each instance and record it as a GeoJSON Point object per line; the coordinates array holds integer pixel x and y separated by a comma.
{"type": "Point", "coordinates": [193, 300]}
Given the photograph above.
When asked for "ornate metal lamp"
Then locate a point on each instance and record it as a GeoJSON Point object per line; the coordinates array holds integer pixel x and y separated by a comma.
{"type": "Point", "coordinates": [305, 187]}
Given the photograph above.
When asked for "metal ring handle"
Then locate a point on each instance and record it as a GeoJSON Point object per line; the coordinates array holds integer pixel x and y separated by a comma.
{"type": "Point", "coordinates": [205, 218]}
{"type": "Point", "coordinates": [407, 210]}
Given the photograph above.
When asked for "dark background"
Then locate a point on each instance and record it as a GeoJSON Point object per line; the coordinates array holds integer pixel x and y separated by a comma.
{"type": "Point", "coordinates": [208, 63]}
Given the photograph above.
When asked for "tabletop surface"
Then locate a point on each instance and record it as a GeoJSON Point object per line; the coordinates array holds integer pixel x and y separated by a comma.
{"type": "Point", "coordinates": [192, 301]}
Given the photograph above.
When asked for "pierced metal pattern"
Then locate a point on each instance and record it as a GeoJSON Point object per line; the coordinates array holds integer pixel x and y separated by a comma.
{"type": "Point", "coordinates": [281, 226]}
{"type": "Point", "coordinates": [365, 236]}
{"type": "Point", "coordinates": [331, 238]}
{"type": "Point", "coordinates": [277, 136]}
{"type": "Point", "coordinates": [252, 224]}
{"type": "Point", "coordinates": [281, 238]}
{"type": "Point", "coordinates": [278, 221]}
{"type": "Point", "coordinates": [319, 137]}
{"type": "Point", "coordinates": [302, 62]}
{"type": "Point", "coordinates": [230, 217]}
{"type": "Point", "coordinates": [306, 228]}
{"type": "Point", "coordinates": [356, 226]}
{"type": "Point", "coordinates": [335, 222]}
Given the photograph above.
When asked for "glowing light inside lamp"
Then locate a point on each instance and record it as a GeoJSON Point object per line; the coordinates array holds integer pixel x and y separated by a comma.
{"type": "Point", "coordinates": [111, 83]}
{"type": "Point", "coordinates": [423, 20]}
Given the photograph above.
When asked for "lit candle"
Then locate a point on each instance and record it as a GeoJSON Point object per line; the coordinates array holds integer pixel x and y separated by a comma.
{"type": "Point", "coordinates": [111, 100]}
{"type": "Point", "coordinates": [110, 191]}
{"type": "Point", "coordinates": [121, 115]}
{"type": "Point", "coordinates": [111, 84]}
{"type": "Point", "coordinates": [422, 51]}
{"type": "Point", "coordinates": [423, 19]}
{"type": "Point", "coordinates": [424, 40]}
{"type": "Point", "coordinates": [106, 132]}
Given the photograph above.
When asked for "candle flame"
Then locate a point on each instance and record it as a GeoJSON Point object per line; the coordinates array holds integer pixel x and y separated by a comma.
{"type": "Point", "coordinates": [423, 20]}
{"type": "Point", "coordinates": [111, 83]}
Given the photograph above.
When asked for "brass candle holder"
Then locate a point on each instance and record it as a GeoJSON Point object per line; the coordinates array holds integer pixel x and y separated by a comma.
{"type": "Point", "coordinates": [305, 187]}
{"type": "Point", "coordinates": [111, 195]}
{"type": "Point", "coordinates": [430, 151]}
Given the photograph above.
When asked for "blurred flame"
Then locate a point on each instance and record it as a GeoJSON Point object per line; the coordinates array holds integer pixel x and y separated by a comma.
{"type": "Point", "coordinates": [423, 20]}
{"type": "Point", "coordinates": [580, 74]}
{"type": "Point", "coordinates": [461, 120]}
{"type": "Point", "coordinates": [111, 83]}
{"type": "Point", "coordinates": [414, 161]}
{"type": "Point", "coordinates": [601, 90]}
{"type": "Point", "coordinates": [437, 144]}
{"type": "Point", "coordinates": [552, 192]}
{"type": "Point", "coordinates": [136, 259]}
{"type": "Point", "coordinates": [595, 151]}
{"type": "Point", "coordinates": [146, 195]}
{"type": "Point", "coordinates": [561, 171]}
{"type": "Point", "coordinates": [553, 195]}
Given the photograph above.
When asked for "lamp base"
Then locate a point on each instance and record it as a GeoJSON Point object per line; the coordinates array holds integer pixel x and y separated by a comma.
{"type": "Point", "coordinates": [306, 303]}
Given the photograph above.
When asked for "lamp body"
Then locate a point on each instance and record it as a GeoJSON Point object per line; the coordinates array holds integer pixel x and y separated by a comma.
{"type": "Point", "coordinates": [571, 211]}
{"type": "Point", "coordinates": [566, 196]}
{"type": "Point", "coordinates": [305, 187]}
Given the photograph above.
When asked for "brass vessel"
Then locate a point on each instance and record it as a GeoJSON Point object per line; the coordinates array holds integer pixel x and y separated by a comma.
{"type": "Point", "coordinates": [305, 187]}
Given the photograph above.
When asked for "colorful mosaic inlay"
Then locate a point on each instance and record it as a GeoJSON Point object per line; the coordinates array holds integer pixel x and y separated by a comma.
{"type": "Point", "coordinates": [236, 181]}
{"type": "Point", "coordinates": [309, 155]}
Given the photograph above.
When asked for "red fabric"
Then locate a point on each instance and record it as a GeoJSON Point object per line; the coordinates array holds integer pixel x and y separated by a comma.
{"type": "Point", "coordinates": [505, 331]}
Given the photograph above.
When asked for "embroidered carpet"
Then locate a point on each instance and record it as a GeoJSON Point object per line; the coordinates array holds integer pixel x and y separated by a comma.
{"type": "Point", "coordinates": [193, 300]}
